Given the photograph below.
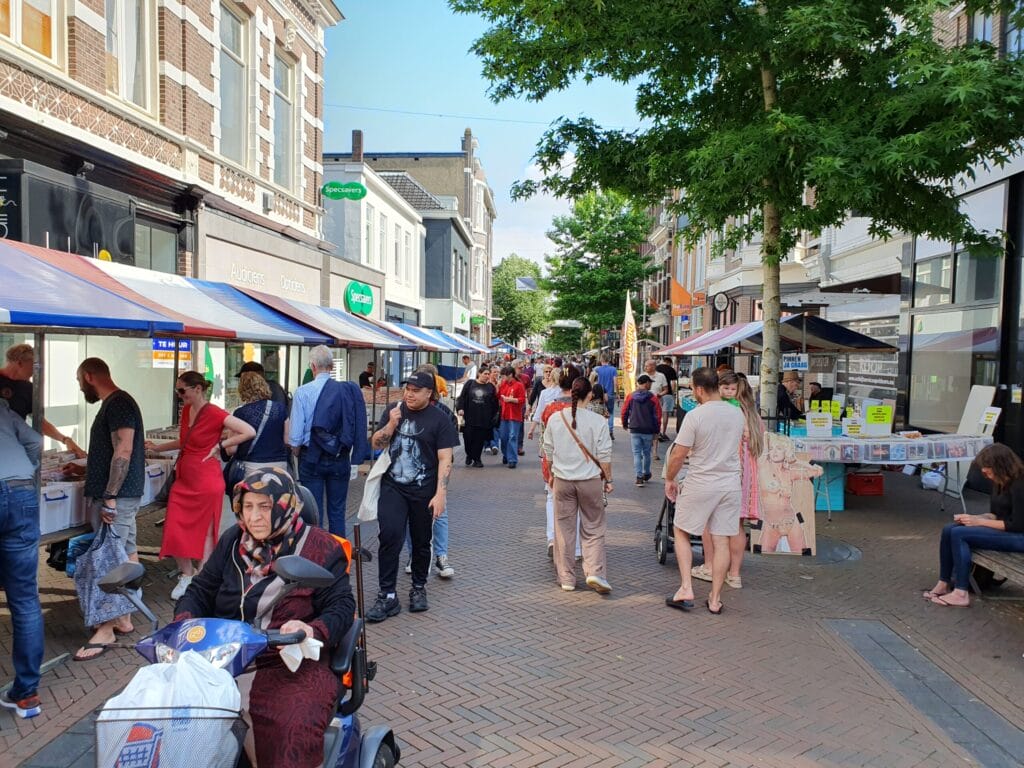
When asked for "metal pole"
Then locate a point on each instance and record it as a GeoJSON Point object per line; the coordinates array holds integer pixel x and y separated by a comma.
{"type": "Point", "coordinates": [174, 399]}
{"type": "Point", "coordinates": [287, 383]}
{"type": "Point", "coordinates": [38, 380]}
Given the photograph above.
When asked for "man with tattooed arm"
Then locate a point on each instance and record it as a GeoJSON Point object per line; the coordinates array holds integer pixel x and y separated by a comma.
{"type": "Point", "coordinates": [114, 476]}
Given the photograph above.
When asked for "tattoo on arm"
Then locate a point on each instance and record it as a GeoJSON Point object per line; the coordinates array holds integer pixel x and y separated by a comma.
{"type": "Point", "coordinates": [380, 439]}
{"type": "Point", "coordinates": [118, 473]}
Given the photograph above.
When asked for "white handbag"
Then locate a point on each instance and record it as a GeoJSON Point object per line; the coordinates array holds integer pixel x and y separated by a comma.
{"type": "Point", "coordinates": [371, 489]}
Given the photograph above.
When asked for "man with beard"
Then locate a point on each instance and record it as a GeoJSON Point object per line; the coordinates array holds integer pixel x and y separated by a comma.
{"type": "Point", "coordinates": [478, 407]}
{"type": "Point", "coordinates": [114, 476]}
{"type": "Point", "coordinates": [414, 490]}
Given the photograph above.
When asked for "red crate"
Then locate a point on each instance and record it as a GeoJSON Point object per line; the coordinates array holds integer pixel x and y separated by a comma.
{"type": "Point", "coordinates": [865, 483]}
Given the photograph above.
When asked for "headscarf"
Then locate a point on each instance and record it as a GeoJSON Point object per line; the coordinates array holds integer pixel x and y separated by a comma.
{"type": "Point", "coordinates": [285, 523]}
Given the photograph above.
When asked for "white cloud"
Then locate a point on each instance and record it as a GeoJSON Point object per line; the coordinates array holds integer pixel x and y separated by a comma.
{"type": "Point", "coordinates": [522, 226]}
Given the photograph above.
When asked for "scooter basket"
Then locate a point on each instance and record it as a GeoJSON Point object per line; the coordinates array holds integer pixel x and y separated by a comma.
{"type": "Point", "coordinates": [169, 737]}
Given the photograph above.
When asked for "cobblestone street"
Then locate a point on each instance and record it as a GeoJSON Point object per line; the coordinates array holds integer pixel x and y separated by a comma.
{"type": "Point", "coordinates": [806, 667]}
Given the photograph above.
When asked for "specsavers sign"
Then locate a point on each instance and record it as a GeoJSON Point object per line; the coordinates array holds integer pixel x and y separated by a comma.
{"type": "Point", "coordinates": [359, 298]}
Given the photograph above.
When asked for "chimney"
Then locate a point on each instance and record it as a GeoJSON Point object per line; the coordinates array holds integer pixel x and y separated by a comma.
{"type": "Point", "coordinates": [357, 146]}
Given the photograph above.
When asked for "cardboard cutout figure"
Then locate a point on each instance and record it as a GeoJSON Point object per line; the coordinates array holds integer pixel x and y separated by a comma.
{"type": "Point", "coordinates": [787, 500]}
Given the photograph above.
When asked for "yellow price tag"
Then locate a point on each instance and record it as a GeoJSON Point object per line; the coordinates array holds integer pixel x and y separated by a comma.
{"type": "Point", "coordinates": [837, 410]}
{"type": "Point", "coordinates": [879, 414]}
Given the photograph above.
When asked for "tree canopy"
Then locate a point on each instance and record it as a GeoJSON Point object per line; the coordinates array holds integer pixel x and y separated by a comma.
{"type": "Point", "coordinates": [520, 313]}
{"type": "Point", "coordinates": [748, 106]}
{"type": "Point", "coordinates": [597, 259]}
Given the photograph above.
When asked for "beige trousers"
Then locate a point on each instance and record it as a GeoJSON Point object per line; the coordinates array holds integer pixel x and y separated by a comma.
{"type": "Point", "coordinates": [587, 497]}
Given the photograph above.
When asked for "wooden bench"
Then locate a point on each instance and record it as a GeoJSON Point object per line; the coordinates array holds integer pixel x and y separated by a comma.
{"type": "Point", "coordinates": [1007, 564]}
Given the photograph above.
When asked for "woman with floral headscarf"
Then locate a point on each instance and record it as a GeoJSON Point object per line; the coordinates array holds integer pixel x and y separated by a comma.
{"type": "Point", "coordinates": [288, 711]}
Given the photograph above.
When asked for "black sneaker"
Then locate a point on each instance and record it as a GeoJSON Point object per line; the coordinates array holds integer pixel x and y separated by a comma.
{"type": "Point", "coordinates": [647, 477]}
{"type": "Point", "coordinates": [468, 461]}
{"type": "Point", "coordinates": [383, 607]}
{"type": "Point", "coordinates": [504, 460]}
{"type": "Point", "coordinates": [417, 600]}
{"type": "Point", "coordinates": [478, 464]}
{"type": "Point", "coordinates": [639, 480]}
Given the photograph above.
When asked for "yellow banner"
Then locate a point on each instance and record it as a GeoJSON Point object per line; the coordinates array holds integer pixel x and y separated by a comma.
{"type": "Point", "coordinates": [628, 359]}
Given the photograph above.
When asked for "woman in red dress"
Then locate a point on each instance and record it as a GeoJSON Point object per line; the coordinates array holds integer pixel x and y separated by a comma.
{"type": "Point", "coordinates": [197, 496]}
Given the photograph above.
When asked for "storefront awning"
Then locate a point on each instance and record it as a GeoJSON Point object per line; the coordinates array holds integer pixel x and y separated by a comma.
{"type": "Point", "coordinates": [796, 332]}
{"type": "Point", "coordinates": [214, 304]}
{"type": "Point", "coordinates": [405, 332]}
{"type": "Point", "coordinates": [88, 270]}
{"type": "Point", "coordinates": [346, 329]}
{"type": "Point", "coordinates": [474, 347]}
{"type": "Point", "coordinates": [436, 338]}
{"type": "Point", "coordinates": [34, 292]}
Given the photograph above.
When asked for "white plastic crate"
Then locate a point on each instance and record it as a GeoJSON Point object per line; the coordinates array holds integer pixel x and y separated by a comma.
{"type": "Point", "coordinates": [55, 508]}
{"type": "Point", "coordinates": [156, 476]}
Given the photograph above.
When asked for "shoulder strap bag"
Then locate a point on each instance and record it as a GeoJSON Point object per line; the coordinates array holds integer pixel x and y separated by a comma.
{"type": "Point", "coordinates": [586, 451]}
{"type": "Point", "coordinates": [165, 491]}
{"type": "Point", "coordinates": [233, 472]}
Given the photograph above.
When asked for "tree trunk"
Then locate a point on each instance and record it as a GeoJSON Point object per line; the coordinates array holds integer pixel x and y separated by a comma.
{"type": "Point", "coordinates": [771, 257]}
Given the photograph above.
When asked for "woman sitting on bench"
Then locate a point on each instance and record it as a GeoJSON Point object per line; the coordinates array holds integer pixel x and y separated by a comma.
{"type": "Point", "coordinates": [1002, 529]}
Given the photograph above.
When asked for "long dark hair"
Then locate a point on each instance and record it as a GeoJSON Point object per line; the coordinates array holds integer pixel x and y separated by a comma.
{"type": "Point", "coordinates": [567, 375]}
{"type": "Point", "coordinates": [580, 390]}
{"type": "Point", "coordinates": [1006, 465]}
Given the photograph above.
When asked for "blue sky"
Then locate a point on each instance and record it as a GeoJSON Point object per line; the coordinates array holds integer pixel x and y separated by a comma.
{"type": "Point", "coordinates": [390, 57]}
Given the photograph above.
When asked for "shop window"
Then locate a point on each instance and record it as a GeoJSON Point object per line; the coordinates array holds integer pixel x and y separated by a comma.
{"type": "Point", "coordinates": [950, 352]}
{"type": "Point", "coordinates": [156, 248]}
{"type": "Point", "coordinates": [1014, 36]}
{"type": "Point", "coordinates": [128, 50]}
{"type": "Point", "coordinates": [933, 282]}
{"type": "Point", "coordinates": [367, 254]}
{"type": "Point", "coordinates": [284, 123]}
{"type": "Point", "coordinates": [977, 279]}
{"type": "Point", "coordinates": [30, 23]}
{"type": "Point", "coordinates": [234, 116]}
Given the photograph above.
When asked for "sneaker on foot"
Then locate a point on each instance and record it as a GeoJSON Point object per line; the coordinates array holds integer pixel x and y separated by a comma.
{"type": "Point", "coordinates": [599, 585]}
{"type": "Point", "coordinates": [647, 477]}
{"type": "Point", "coordinates": [639, 480]}
{"type": "Point", "coordinates": [25, 708]}
{"type": "Point", "coordinates": [551, 550]}
{"type": "Point", "coordinates": [701, 572]}
{"type": "Point", "coordinates": [734, 581]}
{"type": "Point", "coordinates": [444, 570]}
{"type": "Point", "coordinates": [504, 460]}
{"type": "Point", "coordinates": [383, 607]}
{"type": "Point", "coordinates": [568, 587]}
{"type": "Point", "coordinates": [468, 461]}
{"type": "Point", "coordinates": [179, 589]}
{"type": "Point", "coordinates": [477, 464]}
{"type": "Point", "coordinates": [418, 600]}
{"type": "Point", "coordinates": [494, 451]}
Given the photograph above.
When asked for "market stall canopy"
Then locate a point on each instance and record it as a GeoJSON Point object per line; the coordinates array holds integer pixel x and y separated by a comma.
{"type": "Point", "coordinates": [439, 343]}
{"type": "Point", "coordinates": [500, 345]}
{"type": "Point", "coordinates": [88, 270]}
{"type": "Point", "coordinates": [795, 331]}
{"type": "Point", "coordinates": [214, 304]}
{"type": "Point", "coordinates": [34, 292]}
{"type": "Point", "coordinates": [468, 342]}
{"type": "Point", "coordinates": [400, 330]}
{"type": "Point", "coordinates": [346, 329]}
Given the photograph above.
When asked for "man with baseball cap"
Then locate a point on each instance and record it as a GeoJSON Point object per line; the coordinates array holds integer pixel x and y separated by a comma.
{"type": "Point", "coordinates": [413, 491]}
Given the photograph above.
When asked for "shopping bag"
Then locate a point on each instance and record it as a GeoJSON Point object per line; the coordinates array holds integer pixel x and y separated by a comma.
{"type": "Point", "coordinates": [371, 489]}
{"type": "Point", "coordinates": [77, 545]}
{"type": "Point", "coordinates": [105, 553]}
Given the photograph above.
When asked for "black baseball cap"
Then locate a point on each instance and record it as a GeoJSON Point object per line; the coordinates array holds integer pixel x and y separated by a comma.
{"type": "Point", "coordinates": [643, 378]}
{"type": "Point", "coordinates": [251, 367]}
{"type": "Point", "coordinates": [420, 379]}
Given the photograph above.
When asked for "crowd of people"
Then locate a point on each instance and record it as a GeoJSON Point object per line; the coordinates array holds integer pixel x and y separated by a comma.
{"type": "Point", "coordinates": [258, 455]}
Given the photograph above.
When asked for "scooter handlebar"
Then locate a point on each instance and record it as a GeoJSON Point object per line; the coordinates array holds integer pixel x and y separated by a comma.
{"type": "Point", "coordinates": [292, 638]}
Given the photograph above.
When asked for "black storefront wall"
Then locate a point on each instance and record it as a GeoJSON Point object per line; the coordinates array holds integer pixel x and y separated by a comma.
{"type": "Point", "coordinates": [55, 210]}
{"type": "Point", "coordinates": [1011, 362]}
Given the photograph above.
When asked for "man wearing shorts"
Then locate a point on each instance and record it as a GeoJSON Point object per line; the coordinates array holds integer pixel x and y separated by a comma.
{"type": "Point", "coordinates": [709, 497]}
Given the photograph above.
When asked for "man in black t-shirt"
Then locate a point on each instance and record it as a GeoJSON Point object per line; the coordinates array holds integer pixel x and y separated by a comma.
{"type": "Point", "coordinates": [366, 377]}
{"type": "Point", "coordinates": [413, 492]}
{"type": "Point", "coordinates": [16, 389]}
{"type": "Point", "coordinates": [114, 476]}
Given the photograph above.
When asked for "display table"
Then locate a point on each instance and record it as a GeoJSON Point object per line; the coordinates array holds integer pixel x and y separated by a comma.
{"type": "Point", "coordinates": [833, 452]}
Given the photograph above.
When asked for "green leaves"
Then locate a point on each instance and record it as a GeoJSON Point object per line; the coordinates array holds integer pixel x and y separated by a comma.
{"type": "Point", "coordinates": [520, 313]}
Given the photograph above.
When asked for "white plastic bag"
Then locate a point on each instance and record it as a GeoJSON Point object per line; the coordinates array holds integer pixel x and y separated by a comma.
{"type": "Point", "coordinates": [932, 481]}
{"type": "Point", "coordinates": [371, 489]}
{"type": "Point", "coordinates": [173, 715]}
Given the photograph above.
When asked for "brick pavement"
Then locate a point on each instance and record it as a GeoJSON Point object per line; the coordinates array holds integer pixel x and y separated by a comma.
{"type": "Point", "coordinates": [506, 670]}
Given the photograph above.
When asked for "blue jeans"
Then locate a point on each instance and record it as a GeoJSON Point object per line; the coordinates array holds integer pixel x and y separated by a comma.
{"type": "Point", "coordinates": [611, 413]}
{"type": "Point", "coordinates": [956, 544]}
{"type": "Point", "coordinates": [510, 440]}
{"type": "Point", "coordinates": [641, 453]}
{"type": "Point", "coordinates": [19, 559]}
{"type": "Point", "coordinates": [438, 536]}
{"type": "Point", "coordinates": [330, 477]}
{"type": "Point", "coordinates": [495, 439]}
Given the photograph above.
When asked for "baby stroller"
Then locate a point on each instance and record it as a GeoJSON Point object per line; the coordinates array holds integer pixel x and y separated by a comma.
{"type": "Point", "coordinates": [664, 541]}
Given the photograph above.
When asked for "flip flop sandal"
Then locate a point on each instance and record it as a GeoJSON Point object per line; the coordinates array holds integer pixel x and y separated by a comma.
{"type": "Point", "coordinates": [939, 601]}
{"type": "Point", "coordinates": [88, 646]}
{"type": "Point", "coordinates": [682, 605]}
{"type": "Point", "coordinates": [721, 608]}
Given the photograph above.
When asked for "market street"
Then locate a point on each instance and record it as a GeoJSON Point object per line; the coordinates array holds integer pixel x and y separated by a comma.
{"type": "Point", "coordinates": [506, 670]}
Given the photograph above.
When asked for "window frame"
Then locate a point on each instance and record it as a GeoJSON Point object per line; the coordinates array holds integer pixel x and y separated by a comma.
{"type": "Point", "coordinates": [382, 246]}
{"type": "Point", "coordinates": [15, 35]}
{"type": "Point", "coordinates": [987, 24]}
{"type": "Point", "coordinates": [368, 253]}
{"type": "Point", "coordinates": [146, 37]}
{"type": "Point", "coordinates": [289, 64]}
{"type": "Point", "coordinates": [243, 60]}
{"type": "Point", "coordinates": [1011, 30]}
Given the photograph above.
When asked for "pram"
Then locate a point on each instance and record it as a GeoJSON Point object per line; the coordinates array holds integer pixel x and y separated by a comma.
{"type": "Point", "coordinates": [664, 540]}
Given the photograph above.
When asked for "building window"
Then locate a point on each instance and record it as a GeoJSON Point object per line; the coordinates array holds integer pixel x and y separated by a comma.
{"type": "Point", "coordinates": [408, 258]}
{"type": "Point", "coordinates": [981, 28]}
{"type": "Point", "coordinates": [234, 116]}
{"type": "Point", "coordinates": [478, 207]}
{"type": "Point", "coordinates": [382, 255]}
{"type": "Point", "coordinates": [1014, 38]}
{"type": "Point", "coordinates": [977, 280]}
{"type": "Point", "coordinates": [398, 252]}
{"type": "Point", "coordinates": [284, 122]}
{"type": "Point", "coordinates": [368, 252]}
{"type": "Point", "coordinates": [30, 23]}
{"type": "Point", "coordinates": [128, 50]}
{"type": "Point", "coordinates": [156, 248]}
{"type": "Point", "coordinates": [933, 282]}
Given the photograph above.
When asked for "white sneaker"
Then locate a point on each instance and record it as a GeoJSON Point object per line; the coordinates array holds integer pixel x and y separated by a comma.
{"type": "Point", "coordinates": [568, 587]}
{"type": "Point", "coordinates": [179, 589]}
{"type": "Point", "coordinates": [701, 572]}
{"type": "Point", "coordinates": [599, 585]}
{"type": "Point", "coordinates": [444, 570]}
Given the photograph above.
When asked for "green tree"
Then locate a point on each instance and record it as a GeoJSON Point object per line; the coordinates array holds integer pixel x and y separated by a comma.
{"type": "Point", "coordinates": [562, 340]}
{"type": "Point", "coordinates": [520, 313]}
{"type": "Point", "coordinates": [596, 259]}
{"type": "Point", "coordinates": [749, 105]}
